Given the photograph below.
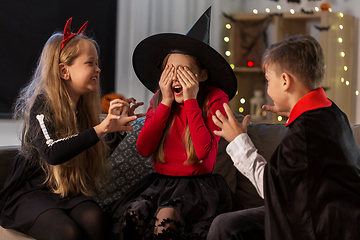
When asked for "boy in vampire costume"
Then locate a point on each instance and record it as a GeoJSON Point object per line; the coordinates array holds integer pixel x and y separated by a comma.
{"type": "Point", "coordinates": [311, 184]}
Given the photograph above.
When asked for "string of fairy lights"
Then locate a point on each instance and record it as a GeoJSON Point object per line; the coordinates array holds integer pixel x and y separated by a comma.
{"type": "Point", "coordinates": [340, 40]}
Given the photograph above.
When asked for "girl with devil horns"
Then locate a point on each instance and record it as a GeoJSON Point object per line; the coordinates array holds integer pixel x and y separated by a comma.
{"type": "Point", "coordinates": [48, 194]}
{"type": "Point", "coordinates": [191, 81]}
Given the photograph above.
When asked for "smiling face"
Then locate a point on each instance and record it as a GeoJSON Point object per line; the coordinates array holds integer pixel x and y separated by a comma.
{"type": "Point", "coordinates": [82, 76]}
{"type": "Point", "coordinates": [181, 60]}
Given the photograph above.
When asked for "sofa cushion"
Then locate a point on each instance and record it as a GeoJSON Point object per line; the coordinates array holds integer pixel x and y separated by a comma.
{"type": "Point", "coordinates": [356, 130]}
{"type": "Point", "coordinates": [127, 167]}
{"type": "Point", "coordinates": [224, 166]}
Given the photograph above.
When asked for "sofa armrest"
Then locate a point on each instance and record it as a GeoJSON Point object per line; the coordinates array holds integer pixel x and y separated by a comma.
{"type": "Point", "coordinates": [7, 155]}
{"type": "Point", "coordinates": [127, 167]}
{"type": "Point", "coordinates": [9, 234]}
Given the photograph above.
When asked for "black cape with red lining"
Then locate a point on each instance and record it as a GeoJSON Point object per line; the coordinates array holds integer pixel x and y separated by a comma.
{"type": "Point", "coordinates": [312, 181]}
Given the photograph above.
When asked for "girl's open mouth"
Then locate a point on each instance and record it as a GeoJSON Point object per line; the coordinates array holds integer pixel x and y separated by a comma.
{"type": "Point", "coordinates": [178, 90]}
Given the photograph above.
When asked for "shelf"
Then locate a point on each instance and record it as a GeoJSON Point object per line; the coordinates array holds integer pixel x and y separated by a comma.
{"type": "Point", "coordinates": [247, 69]}
{"type": "Point", "coordinates": [287, 15]}
{"type": "Point", "coordinates": [247, 43]}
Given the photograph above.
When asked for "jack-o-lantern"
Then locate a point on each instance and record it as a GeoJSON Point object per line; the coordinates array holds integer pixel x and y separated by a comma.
{"type": "Point", "coordinates": [324, 7]}
{"type": "Point", "coordinates": [107, 98]}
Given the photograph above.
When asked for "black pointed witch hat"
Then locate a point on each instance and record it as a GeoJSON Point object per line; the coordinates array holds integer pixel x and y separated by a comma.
{"type": "Point", "coordinates": [150, 52]}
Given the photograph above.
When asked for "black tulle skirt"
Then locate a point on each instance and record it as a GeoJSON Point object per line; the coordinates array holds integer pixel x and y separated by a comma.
{"type": "Point", "coordinates": [197, 199]}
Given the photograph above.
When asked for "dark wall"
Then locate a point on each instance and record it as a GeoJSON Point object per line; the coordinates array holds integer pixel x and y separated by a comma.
{"type": "Point", "coordinates": [25, 26]}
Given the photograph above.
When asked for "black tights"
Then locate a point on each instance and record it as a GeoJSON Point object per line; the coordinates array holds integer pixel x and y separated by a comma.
{"type": "Point", "coordinates": [85, 221]}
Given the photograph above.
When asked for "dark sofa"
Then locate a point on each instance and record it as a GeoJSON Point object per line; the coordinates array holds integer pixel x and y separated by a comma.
{"type": "Point", "coordinates": [128, 166]}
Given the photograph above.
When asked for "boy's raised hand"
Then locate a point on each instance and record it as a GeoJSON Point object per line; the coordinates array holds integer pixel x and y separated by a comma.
{"type": "Point", "coordinates": [230, 127]}
{"type": "Point", "coordinates": [165, 85]}
{"type": "Point", "coordinates": [274, 109]}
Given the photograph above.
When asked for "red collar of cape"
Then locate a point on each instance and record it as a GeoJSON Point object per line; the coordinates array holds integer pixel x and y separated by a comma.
{"type": "Point", "coordinates": [313, 100]}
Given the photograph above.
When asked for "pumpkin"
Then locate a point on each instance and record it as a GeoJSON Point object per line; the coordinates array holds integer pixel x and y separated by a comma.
{"type": "Point", "coordinates": [107, 98]}
{"type": "Point", "coordinates": [324, 6]}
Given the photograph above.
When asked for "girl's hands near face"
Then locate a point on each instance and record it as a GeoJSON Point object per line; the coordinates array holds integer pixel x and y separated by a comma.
{"type": "Point", "coordinates": [165, 85]}
{"type": "Point", "coordinates": [188, 82]}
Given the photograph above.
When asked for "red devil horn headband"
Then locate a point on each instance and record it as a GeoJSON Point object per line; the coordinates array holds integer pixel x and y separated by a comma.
{"type": "Point", "coordinates": [67, 32]}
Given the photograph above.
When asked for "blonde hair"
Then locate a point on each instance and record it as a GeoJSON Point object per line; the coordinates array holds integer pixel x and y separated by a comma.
{"type": "Point", "coordinates": [203, 100]}
{"type": "Point", "coordinates": [81, 174]}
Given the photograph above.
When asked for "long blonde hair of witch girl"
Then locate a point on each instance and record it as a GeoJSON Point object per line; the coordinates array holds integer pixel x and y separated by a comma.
{"type": "Point", "coordinates": [202, 99]}
{"type": "Point", "coordinates": [82, 173]}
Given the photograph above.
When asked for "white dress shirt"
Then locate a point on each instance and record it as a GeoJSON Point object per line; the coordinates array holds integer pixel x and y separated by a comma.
{"type": "Point", "coordinates": [247, 160]}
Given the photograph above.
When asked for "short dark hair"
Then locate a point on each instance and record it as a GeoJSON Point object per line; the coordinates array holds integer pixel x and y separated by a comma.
{"type": "Point", "coordinates": [300, 55]}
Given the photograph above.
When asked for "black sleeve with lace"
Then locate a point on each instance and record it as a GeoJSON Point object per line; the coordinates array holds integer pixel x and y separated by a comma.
{"type": "Point", "coordinates": [56, 151]}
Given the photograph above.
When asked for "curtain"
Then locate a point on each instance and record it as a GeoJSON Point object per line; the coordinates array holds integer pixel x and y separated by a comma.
{"type": "Point", "coordinates": [138, 19]}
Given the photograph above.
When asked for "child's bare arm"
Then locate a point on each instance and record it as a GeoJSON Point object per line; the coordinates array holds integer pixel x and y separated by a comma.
{"type": "Point", "coordinates": [230, 127]}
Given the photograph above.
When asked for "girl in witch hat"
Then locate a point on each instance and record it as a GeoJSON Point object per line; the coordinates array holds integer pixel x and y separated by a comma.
{"type": "Point", "coordinates": [191, 81]}
{"type": "Point", "coordinates": [48, 194]}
